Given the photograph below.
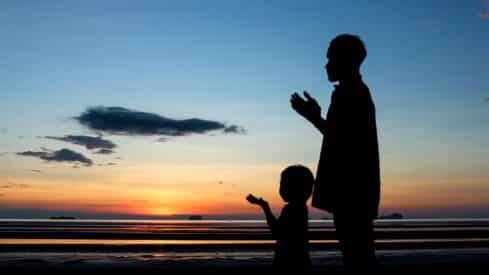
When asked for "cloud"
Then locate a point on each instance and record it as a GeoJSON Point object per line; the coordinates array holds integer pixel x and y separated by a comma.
{"type": "Point", "coordinates": [486, 99]}
{"type": "Point", "coordinates": [234, 129]}
{"type": "Point", "coordinates": [33, 154]}
{"type": "Point", "coordinates": [104, 152]}
{"type": "Point", "coordinates": [107, 164]}
{"type": "Point", "coordinates": [63, 155]}
{"type": "Point", "coordinates": [36, 170]}
{"type": "Point", "coordinates": [485, 14]}
{"type": "Point", "coordinates": [122, 121]}
{"type": "Point", "coordinates": [10, 185]}
{"type": "Point", "coordinates": [3, 131]}
{"type": "Point", "coordinates": [87, 141]}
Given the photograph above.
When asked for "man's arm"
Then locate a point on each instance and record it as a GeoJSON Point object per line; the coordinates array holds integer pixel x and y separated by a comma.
{"type": "Point", "coordinates": [320, 124]}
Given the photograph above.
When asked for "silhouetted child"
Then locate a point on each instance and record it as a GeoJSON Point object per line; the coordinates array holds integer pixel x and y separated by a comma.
{"type": "Point", "coordinates": [290, 229]}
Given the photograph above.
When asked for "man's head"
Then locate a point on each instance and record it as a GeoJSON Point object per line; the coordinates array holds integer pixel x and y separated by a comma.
{"type": "Point", "coordinates": [346, 53]}
{"type": "Point", "coordinates": [296, 183]}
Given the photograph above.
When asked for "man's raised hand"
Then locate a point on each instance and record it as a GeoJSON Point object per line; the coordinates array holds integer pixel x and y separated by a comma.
{"type": "Point", "coordinates": [309, 108]}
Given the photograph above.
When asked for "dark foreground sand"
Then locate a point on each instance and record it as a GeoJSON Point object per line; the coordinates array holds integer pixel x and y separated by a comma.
{"type": "Point", "coordinates": [455, 261]}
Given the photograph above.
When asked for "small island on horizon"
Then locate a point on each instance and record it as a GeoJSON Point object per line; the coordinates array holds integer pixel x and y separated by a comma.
{"type": "Point", "coordinates": [195, 218]}
{"type": "Point", "coordinates": [62, 218]}
{"type": "Point", "coordinates": [393, 216]}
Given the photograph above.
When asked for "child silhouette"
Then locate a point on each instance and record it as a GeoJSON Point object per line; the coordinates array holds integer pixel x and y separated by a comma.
{"type": "Point", "coordinates": [290, 229]}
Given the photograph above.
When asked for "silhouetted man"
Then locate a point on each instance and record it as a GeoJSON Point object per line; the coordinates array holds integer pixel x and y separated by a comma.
{"type": "Point", "coordinates": [348, 176]}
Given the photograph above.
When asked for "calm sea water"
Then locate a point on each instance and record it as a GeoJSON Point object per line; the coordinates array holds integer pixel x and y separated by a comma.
{"type": "Point", "coordinates": [222, 232]}
{"type": "Point", "coordinates": [82, 241]}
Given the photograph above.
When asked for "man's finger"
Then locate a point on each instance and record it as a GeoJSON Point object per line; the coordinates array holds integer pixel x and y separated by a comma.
{"type": "Point", "coordinates": [309, 97]}
{"type": "Point", "coordinates": [296, 95]}
{"type": "Point", "coordinates": [297, 98]}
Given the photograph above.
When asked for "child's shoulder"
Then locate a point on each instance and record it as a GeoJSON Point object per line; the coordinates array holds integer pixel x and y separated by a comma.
{"type": "Point", "coordinates": [294, 209]}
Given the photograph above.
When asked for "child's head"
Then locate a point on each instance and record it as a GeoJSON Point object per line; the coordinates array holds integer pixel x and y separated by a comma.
{"type": "Point", "coordinates": [346, 53]}
{"type": "Point", "coordinates": [296, 183]}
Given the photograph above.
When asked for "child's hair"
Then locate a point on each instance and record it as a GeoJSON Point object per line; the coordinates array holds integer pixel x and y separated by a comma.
{"type": "Point", "coordinates": [296, 183]}
{"type": "Point", "coordinates": [349, 49]}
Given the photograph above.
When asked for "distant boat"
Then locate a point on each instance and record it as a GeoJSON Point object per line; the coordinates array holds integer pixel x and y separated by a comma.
{"type": "Point", "coordinates": [195, 218]}
{"type": "Point", "coordinates": [393, 216]}
{"type": "Point", "coordinates": [62, 218]}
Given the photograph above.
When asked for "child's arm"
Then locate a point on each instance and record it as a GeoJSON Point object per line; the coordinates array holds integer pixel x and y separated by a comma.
{"type": "Point", "coordinates": [271, 220]}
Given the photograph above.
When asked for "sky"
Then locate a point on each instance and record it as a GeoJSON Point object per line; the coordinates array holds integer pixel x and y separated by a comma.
{"type": "Point", "coordinates": [221, 73]}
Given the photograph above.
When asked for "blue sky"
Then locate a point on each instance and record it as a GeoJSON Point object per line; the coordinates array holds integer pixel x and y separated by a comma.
{"type": "Point", "coordinates": [238, 62]}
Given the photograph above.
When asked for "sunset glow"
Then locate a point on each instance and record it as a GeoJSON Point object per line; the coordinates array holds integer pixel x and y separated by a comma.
{"type": "Point", "coordinates": [197, 100]}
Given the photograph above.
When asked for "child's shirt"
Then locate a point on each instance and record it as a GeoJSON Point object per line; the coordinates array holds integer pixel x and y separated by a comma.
{"type": "Point", "coordinates": [290, 232]}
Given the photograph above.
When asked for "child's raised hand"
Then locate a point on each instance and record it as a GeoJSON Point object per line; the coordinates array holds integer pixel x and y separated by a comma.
{"type": "Point", "coordinates": [254, 200]}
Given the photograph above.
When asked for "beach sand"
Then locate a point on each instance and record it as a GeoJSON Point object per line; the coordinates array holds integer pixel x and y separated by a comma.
{"type": "Point", "coordinates": [424, 261]}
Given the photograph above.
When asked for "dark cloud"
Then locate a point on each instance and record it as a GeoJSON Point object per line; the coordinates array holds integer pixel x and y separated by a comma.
{"type": "Point", "coordinates": [163, 139]}
{"type": "Point", "coordinates": [104, 152]}
{"type": "Point", "coordinates": [87, 141]}
{"type": "Point", "coordinates": [35, 170]}
{"type": "Point", "coordinates": [486, 99]}
{"type": "Point", "coordinates": [63, 155]}
{"type": "Point", "coordinates": [122, 121]}
{"type": "Point", "coordinates": [33, 154]}
{"type": "Point", "coordinates": [235, 129]}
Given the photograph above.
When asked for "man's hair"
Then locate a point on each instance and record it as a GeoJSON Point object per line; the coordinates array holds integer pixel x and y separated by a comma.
{"type": "Point", "coordinates": [348, 48]}
{"type": "Point", "coordinates": [296, 183]}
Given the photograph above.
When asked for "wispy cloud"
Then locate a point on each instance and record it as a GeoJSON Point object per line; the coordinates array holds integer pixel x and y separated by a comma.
{"type": "Point", "coordinates": [485, 13]}
{"type": "Point", "coordinates": [10, 185]}
{"type": "Point", "coordinates": [89, 142]}
{"type": "Point", "coordinates": [122, 121]}
{"type": "Point", "coordinates": [63, 155]}
{"type": "Point", "coordinates": [107, 164]}
{"type": "Point", "coordinates": [104, 152]}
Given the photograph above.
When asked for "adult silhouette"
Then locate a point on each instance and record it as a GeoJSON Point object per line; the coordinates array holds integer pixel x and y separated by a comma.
{"type": "Point", "coordinates": [348, 175]}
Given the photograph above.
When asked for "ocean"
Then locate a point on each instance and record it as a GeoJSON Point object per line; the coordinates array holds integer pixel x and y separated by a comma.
{"type": "Point", "coordinates": [81, 243]}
